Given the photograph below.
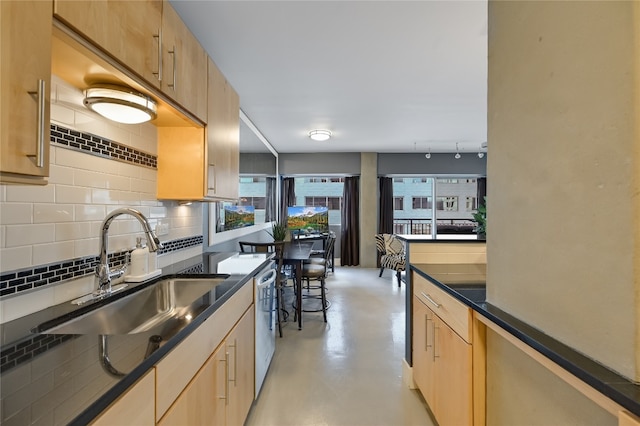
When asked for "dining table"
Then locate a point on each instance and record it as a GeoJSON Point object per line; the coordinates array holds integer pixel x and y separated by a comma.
{"type": "Point", "coordinates": [295, 253]}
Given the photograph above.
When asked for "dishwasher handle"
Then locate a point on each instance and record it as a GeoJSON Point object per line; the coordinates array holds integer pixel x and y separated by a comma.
{"type": "Point", "coordinates": [267, 278]}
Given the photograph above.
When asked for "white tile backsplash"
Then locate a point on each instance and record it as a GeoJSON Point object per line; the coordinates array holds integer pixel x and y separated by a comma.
{"type": "Point", "coordinates": [21, 235]}
{"type": "Point", "coordinates": [48, 213]}
{"type": "Point", "coordinates": [62, 220]}
{"type": "Point", "coordinates": [16, 213]}
{"type": "Point", "coordinates": [33, 193]}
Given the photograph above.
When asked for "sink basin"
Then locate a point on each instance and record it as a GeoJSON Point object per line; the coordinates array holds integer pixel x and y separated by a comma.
{"type": "Point", "coordinates": [167, 305]}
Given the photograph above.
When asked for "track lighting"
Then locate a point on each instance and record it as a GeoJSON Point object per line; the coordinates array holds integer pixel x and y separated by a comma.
{"type": "Point", "coordinates": [457, 156]}
{"type": "Point", "coordinates": [428, 154]}
{"type": "Point", "coordinates": [480, 154]}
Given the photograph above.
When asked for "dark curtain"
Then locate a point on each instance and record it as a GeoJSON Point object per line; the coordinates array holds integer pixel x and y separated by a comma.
{"type": "Point", "coordinates": [350, 237]}
{"type": "Point", "coordinates": [287, 197]}
{"type": "Point", "coordinates": [385, 226]}
{"type": "Point", "coordinates": [482, 190]}
{"type": "Point", "coordinates": [270, 207]}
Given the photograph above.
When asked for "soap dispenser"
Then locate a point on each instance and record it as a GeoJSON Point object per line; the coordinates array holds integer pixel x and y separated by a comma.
{"type": "Point", "coordinates": [139, 260]}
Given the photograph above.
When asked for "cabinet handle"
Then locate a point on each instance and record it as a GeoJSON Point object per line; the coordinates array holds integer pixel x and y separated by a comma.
{"type": "Point", "coordinates": [235, 362]}
{"type": "Point", "coordinates": [434, 341]}
{"type": "Point", "coordinates": [226, 375]}
{"type": "Point", "coordinates": [436, 304]}
{"type": "Point", "coordinates": [159, 37]}
{"type": "Point", "coordinates": [173, 53]}
{"type": "Point", "coordinates": [211, 181]}
{"type": "Point", "coordinates": [41, 94]}
{"type": "Point", "coordinates": [426, 332]}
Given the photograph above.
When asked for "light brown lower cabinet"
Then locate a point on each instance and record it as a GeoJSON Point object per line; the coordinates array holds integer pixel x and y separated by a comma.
{"type": "Point", "coordinates": [221, 392]}
{"type": "Point", "coordinates": [442, 359]}
{"type": "Point", "coordinates": [135, 407]}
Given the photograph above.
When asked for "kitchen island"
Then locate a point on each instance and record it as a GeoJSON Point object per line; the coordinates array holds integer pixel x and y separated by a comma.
{"type": "Point", "coordinates": [64, 376]}
{"type": "Point", "coordinates": [465, 284]}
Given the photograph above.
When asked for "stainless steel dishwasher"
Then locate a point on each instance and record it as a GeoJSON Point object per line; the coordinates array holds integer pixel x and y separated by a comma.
{"type": "Point", "coordinates": [265, 305]}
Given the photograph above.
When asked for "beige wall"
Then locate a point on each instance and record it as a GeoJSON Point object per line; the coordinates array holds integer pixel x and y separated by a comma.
{"type": "Point", "coordinates": [563, 200]}
{"type": "Point", "coordinates": [368, 204]}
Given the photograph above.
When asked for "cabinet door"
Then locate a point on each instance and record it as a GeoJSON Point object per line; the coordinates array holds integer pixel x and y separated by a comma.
{"type": "Point", "coordinates": [453, 405]}
{"type": "Point", "coordinates": [25, 81]}
{"type": "Point", "coordinates": [135, 407]}
{"type": "Point", "coordinates": [204, 400]}
{"type": "Point", "coordinates": [241, 349]}
{"type": "Point", "coordinates": [223, 137]}
{"type": "Point", "coordinates": [184, 64]}
{"type": "Point", "coordinates": [127, 30]}
{"type": "Point", "coordinates": [423, 359]}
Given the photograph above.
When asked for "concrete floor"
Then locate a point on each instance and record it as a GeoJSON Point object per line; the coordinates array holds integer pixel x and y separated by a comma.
{"type": "Point", "coordinates": [349, 370]}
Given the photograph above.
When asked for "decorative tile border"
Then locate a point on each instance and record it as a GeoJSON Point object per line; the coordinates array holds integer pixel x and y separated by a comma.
{"type": "Point", "coordinates": [14, 282]}
{"type": "Point", "coordinates": [24, 351]}
{"type": "Point", "coordinates": [101, 147]}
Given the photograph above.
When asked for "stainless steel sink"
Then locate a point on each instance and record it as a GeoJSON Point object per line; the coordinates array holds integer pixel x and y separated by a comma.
{"type": "Point", "coordinates": [162, 307]}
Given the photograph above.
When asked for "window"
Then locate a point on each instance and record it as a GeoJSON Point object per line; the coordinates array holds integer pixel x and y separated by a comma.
{"type": "Point", "coordinates": [321, 191]}
{"type": "Point", "coordinates": [253, 192]}
{"type": "Point", "coordinates": [398, 203]}
{"type": "Point", "coordinates": [257, 202]}
{"type": "Point", "coordinates": [398, 180]}
{"type": "Point", "coordinates": [325, 180]}
{"type": "Point", "coordinates": [333, 203]}
{"type": "Point", "coordinates": [420, 180]}
{"type": "Point", "coordinates": [471, 204]}
{"type": "Point", "coordinates": [421, 203]}
{"type": "Point", "coordinates": [447, 180]}
{"type": "Point", "coordinates": [447, 204]}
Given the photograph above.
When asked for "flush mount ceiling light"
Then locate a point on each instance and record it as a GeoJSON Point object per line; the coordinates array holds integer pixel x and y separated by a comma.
{"type": "Point", "coordinates": [120, 104]}
{"type": "Point", "coordinates": [320, 135]}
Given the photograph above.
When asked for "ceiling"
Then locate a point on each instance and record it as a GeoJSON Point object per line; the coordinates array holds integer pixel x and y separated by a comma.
{"type": "Point", "coordinates": [383, 76]}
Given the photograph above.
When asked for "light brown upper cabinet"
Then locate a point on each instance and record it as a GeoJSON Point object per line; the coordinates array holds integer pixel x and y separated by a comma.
{"type": "Point", "coordinates": [223, 136]}
{"type": "Point", "coordinates": [25, 81]}
{"type": "Point", "coordinates": [149, 38]}
{"type": "Point", "coordinates": [129, 31]}
{"type": "Point", "coordinates": [184, 64]}
{"type": "Point", "coordinates": [203, 164]}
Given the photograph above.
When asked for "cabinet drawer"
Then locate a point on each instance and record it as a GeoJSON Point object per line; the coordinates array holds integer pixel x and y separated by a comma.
{"type": "Point", "coordinates": [453, 312]}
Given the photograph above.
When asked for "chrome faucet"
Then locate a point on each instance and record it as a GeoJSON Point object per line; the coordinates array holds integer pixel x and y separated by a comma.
{"type": "Point", "coordinates": [102, 269]}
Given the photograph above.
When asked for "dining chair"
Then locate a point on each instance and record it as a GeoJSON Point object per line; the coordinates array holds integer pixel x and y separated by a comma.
{"type": "Point", "coordinates": [282, 277]}
{"type": "Point", "coordinates": [316, 270]}
{"type": "Point", "coordinates": [327, 253]}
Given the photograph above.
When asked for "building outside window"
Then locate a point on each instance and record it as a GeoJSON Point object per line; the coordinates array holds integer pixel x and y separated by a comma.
{"type": "Point", "coordinates": [325, 191]}
{"type": "Point", "coordinates": [398, 203]}
{"type": "Point", "coordinates": [447, 192]}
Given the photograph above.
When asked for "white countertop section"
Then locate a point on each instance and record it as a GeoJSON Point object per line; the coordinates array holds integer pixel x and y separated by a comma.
{"type": "Point", "coordinates": [242, 263]}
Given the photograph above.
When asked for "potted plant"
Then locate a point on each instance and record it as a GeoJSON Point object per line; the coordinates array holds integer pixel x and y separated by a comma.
{"type": "Point", "coordinates": [480, 218]}
{"type": "Point", "coordinates": [278, 231]}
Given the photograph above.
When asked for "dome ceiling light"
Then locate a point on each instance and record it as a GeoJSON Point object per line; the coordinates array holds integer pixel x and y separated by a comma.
{"type": "Point", "coordinates": [120, 104]}
{"type": "Point", "coordinates": [320, 135]}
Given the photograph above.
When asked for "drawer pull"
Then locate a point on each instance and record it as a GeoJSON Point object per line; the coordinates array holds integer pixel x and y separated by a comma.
{"type": "Point", "coordinates": [426, 332]}
{"type": "Point", "coordinates": [436, 304]}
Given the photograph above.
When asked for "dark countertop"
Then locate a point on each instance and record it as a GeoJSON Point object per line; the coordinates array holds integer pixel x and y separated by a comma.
{"type": "Point", "coordinates": [467, 284]}
{"type": "Point", "coordinates": [59, 378]}
{"type": "Point", "coordinates": [442, 238]}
